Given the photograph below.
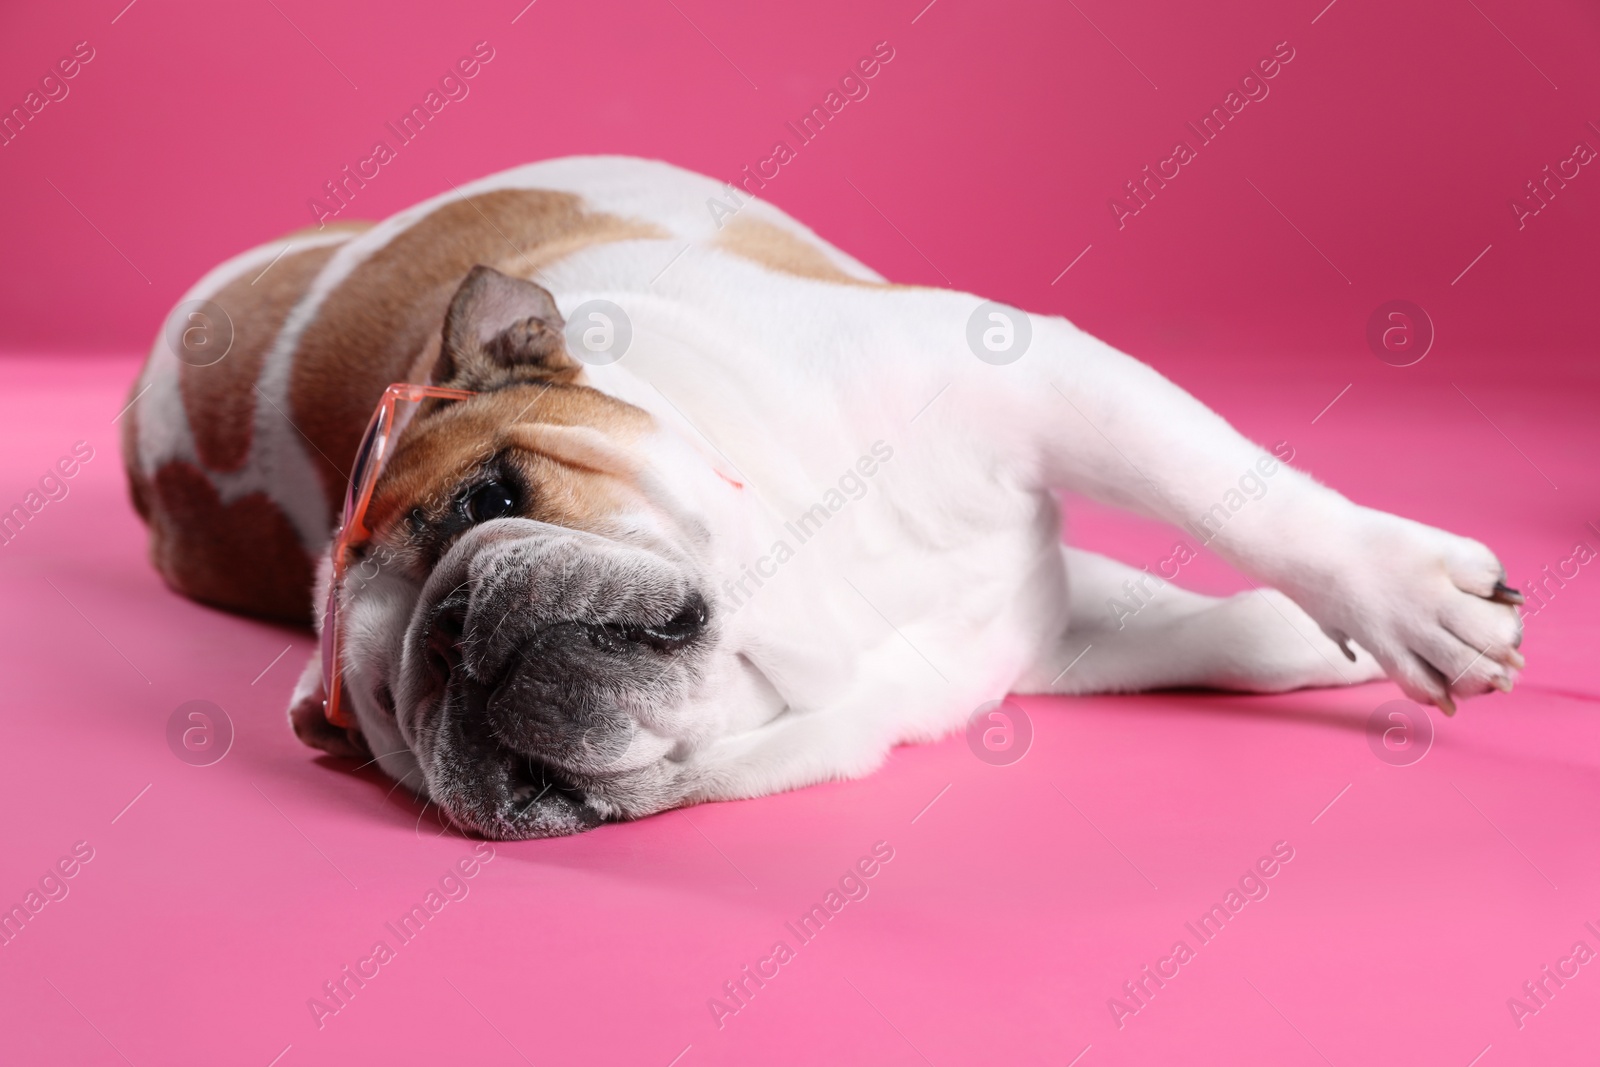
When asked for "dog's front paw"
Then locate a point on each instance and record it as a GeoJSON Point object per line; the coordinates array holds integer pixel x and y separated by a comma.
{"type": "Point", "coordinates": [1431, 607]}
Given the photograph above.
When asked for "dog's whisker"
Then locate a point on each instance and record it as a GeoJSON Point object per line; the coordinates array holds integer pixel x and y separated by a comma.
{"type": "Point", "coordinates": [398, 782]}
{"type": "Point", "coordinates": [380, 756]}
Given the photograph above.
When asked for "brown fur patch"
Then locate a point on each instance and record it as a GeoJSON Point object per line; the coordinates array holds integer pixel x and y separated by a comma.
{"type": "Point", "coordinates": [244, 556]}
{"type": "Point", "coordinates": [777, 249]}
{"type": "Point", "coordinates": [374, 326]}
{"type": "Point", "coordinates": [220, 399]}
{"type": "Point", "coordinates": [350, 226]}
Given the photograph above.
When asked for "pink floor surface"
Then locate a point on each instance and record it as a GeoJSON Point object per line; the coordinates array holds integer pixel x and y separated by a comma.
{"type": "Point", "coordinates": [1019, 899]}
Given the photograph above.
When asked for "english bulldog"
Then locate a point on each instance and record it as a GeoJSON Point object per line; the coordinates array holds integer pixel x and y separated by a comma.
{"type": "Point", "coordinates": [704, 508]}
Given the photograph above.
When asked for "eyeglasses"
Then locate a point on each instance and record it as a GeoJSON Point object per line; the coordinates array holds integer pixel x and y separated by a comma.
{"type": "Point", "coordinates": [370, 460]}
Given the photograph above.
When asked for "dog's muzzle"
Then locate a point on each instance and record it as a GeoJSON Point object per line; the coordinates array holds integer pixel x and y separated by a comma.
{"type": "Point", "coordinates": [534, 657]}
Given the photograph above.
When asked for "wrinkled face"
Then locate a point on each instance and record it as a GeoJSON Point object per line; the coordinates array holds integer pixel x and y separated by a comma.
{"type": "Point", "coordinates": [526, 628]}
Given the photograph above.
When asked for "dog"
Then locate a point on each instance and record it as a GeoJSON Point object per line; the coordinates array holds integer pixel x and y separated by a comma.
{"type": "Point", "coordinates": [716, 511]}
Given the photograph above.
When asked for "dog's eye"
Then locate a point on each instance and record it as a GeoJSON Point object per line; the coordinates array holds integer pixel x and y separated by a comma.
{"type": "Point", "coordinates": [491, 500]}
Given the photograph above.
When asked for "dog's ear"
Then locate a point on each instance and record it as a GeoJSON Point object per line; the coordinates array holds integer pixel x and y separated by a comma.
{"type": "Point", "coordinates": [501, 331]}
{"type": "Point", "coordinates": [311, 725]}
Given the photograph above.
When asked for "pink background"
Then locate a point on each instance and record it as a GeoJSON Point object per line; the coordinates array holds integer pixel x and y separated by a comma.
{"type": "Point", "coordinates": [1394, 140]}
{"type": "Point", "coordinates": [1421, 900]}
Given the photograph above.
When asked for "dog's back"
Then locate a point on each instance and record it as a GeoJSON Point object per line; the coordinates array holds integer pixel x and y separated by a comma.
{"type": "Point", "coordinates": [253, 399]}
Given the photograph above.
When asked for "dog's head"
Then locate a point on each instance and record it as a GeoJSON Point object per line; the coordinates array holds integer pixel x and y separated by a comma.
{"type": "Point", "coordinates": [525, 633]}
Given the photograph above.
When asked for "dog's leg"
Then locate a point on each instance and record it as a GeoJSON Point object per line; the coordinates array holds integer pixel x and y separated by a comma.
{"type": "Point", "coordinates": [1156, 636]}
{"type": "Point", "coordinates": [1133, 630]}
{"type": "Point", "coordinates": [1431, 607]}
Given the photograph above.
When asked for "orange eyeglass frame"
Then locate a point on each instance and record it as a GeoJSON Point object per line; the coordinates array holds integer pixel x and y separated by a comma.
{"type": "Point", "coordinates": [371, 457]}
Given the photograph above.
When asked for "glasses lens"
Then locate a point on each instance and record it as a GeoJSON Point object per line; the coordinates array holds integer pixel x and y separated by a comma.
{"type": "Point", "coordinates": [369, 454]}
{"type": "Point", "coordinates": [329, 621]}
{"type": "Point", "coordinates": [370, 448]}
{"type": "Point", "coordinates": [393, 412]}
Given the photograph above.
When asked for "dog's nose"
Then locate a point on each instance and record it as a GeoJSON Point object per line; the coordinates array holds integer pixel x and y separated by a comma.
{"type": "Point", "coordinates": [668, 636]}
{"type": "Point", "coordinates": [443, 647]}
{"type": "Point", "coordinates": [565, 692]}
{"type": "Point", "coordinates": [456, 634]}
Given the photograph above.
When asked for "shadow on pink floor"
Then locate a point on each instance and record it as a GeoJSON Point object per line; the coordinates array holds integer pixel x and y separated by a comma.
{"type": "Point", "coordinates": [280, 904]}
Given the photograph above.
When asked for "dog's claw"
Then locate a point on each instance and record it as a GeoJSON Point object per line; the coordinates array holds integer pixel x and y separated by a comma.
{"type": "Point", "coordinates": [1502, 683]}
{"type": "Point", "coordinates": [1446, 705]}
{"type": "Point", "coordinates": [1504, 594]}
{"type": "Point", "coordinates": [1517, 660]}
{"type": "Point", "coordinates": [1342, 639]}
